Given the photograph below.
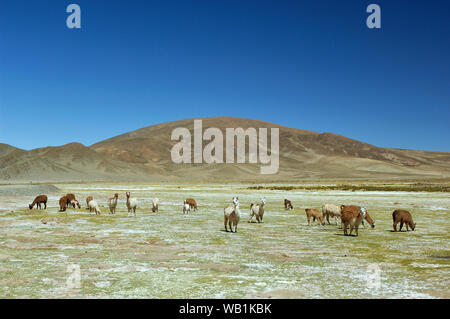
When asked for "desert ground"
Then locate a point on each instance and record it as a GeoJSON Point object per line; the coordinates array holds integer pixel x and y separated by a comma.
{"type": "Point", "coordinates": [171, 255]}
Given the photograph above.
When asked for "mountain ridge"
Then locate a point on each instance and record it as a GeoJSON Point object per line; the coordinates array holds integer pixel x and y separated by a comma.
{"type": "Point", "coordinates": [144, 154]}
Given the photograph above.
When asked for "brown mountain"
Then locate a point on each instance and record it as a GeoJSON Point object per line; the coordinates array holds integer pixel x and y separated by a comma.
{"type": "Point", "coordinates": [144, 154]}
{"type": "Point", "coordinates": [303, 154]}
{"type": "Point", "coordinates": [71, 162]}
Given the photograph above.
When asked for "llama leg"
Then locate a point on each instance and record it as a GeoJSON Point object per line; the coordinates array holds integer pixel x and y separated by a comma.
{"type": "Point", "coordinates": [328, 219]}
{"type": "Point", "coordinates": [45, 205]}
{"type": "Point", "coordinates": [225, 224]}
{"type": "Point", "coordinates": [356, 229]}
{"type": "Point", "coordinates": [308, 218]}
{"type": "Point", "coordinates": [401, 226]}
{"type": "Point", "coordinates": [395, 226]}
{"type": "Point", "coordinates": [406, 224]}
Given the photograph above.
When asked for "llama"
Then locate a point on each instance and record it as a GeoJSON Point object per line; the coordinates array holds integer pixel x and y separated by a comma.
{"type": "Point", "coordinates": [192, 203]}
{"type": "Point", "coordinates": [288, 204]}
{"type": "Point", "coordinates": [88, 199]}
{"type": "Point", "coordinates": [93, 206]}
{"type": "Point", "coordinates": [232, 215]}
{"type": "Point", "coordinates": [403, 217]}
{"type": "Point", "coordinates": [257, 210]}
{"type": "Point", "coordinates": [155, 204]}
{"type": "Point", "coordinates": [112, 203]}
{"type": "Point", "coordinates": [315, 214]}
{"type": "Point", "coordinates": [353, 216]}
{"type": "Point", "coordinates": [41, 199]}
{"type": "Point", "coordinates": [186, 207]}
{"type": "Point", "coordinates": [70, 198]}
{"type": "Point", "coordinates": [330, 210]}
{"type": "Point", "coordinates": [63, 204]}
{"type": "Point", "coordinates": [75, 203]}
{"type": "Point", "coordinates": [131, 204]}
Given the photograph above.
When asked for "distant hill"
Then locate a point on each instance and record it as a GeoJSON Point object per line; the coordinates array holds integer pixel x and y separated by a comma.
{"type": "Point", "coordinates": [144, 154]}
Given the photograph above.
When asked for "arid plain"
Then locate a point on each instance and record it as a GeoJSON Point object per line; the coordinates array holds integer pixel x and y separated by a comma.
{"type": "Point", "coordinates": [171, 255]}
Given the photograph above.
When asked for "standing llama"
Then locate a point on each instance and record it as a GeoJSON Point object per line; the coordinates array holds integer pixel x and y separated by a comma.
{"type": "Point", "coordinates": [232, 215]}
{"type": "Point", "coordinates": [131, 204]}
{"type": "Point", "coordinates": [257, 210]}
{"type": "Point", "coordinates": [112, 203]}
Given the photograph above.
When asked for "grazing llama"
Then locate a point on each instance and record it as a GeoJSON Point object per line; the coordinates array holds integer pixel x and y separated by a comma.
{"type": "Point", "coordinates": [257, 210]}
{"type": "Point", "coordinates": [192, 203]}
{"type": "Point", "coordinates": [70, 198]}
{"type": "Point", "coordinates": [63, 204]}
{"type": "Point", "coordinates": [232, 215]}
{"type": "Point", "coordinates": [88, 199]}
{"type": "Point", "coordinates": [330, 210]}
{"type": "Point", "coordinates": [403, 217]}
{"type": "Point", "coordinates": [315, 214]}
{"type": "Point", "coordinates": [288, 204]}
{"type": "Point", "coordinates": [131, 204]}
{"type": "Point", "coordinates": [353, 216]}
{"type": "Point", "coordinates": [93, 206]}
{"type": "Point", "coordinates": [186, 207]}
{"type": "Point", "coordinates": [41, 199]}
{"type": "Point", "coordinates": [75, 203]}
{"type": "Point", "coordinates": [155, 205]}
{"type": "Point", "coordinates": [112, 203]}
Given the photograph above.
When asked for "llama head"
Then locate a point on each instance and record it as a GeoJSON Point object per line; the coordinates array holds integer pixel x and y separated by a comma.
{"type": "Point", "coordinates": [263, 201]}
{"type": "Point", "coordinates": [30, 206]}
{"type": "Point", "coordinates": [236, 201]}
{"type": "Point", "coordinates": [128, 194]}
{"type": "Point", "coordinates": [116, 195]}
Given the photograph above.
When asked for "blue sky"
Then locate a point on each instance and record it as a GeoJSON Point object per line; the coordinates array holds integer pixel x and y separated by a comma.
{"type": "Point", "coordinates": [306, 64]}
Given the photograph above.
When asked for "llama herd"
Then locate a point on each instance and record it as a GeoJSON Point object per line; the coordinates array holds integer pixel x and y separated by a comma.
{"type": "Point", "coordinates": [351, 217]}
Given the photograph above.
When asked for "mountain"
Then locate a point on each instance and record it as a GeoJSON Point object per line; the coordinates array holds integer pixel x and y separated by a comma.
{"type": "Point", "coordinates": [144, 154]}
{"type": "Point", "coordinates": [303, 154]}
{"type": "Point", "coordinates": [71, 162]}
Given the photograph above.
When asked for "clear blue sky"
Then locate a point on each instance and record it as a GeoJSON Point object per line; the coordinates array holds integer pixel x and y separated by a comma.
{"type": "Point", "coordinates": [305, 64]}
